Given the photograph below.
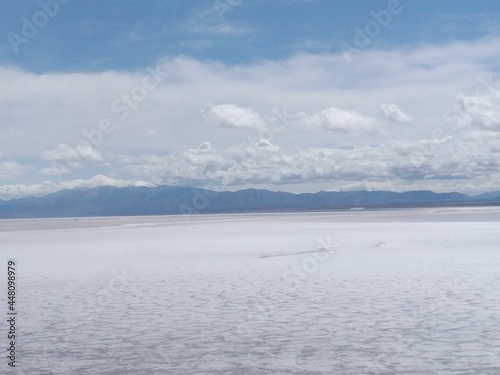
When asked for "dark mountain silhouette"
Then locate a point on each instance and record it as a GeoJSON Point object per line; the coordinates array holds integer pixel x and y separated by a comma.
{"type": "Point", "coordinates": [165, 200]}
{"type": "Point", "coordinates": [494, 195]}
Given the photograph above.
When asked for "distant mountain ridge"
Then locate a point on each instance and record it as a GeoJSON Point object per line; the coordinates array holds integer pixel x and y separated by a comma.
{"type": "Point", "coordinates": [171, 200]}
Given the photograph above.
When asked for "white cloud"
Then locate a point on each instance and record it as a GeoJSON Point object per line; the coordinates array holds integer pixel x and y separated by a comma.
{"type": "Point", "coordinates": [47, 187]}
{"type": "Point", "coordinates": [156, 138]}
{"type": "Point", "coordinates": [266, 145]}
{"type": "Point", "coordinates": [204, 147]}
{"type": "Point", "coordinates": [73, 157]}
{"type": "Point", "coordinates": [62, 152]}
{"type": "Point", "coordinates": [87, 152]}
{"type": "Point", "coordinates": [440, 162]}
{"type": "Point", "coordinates": [480, 112]}
{"type": "Point", "coordinates": [231, 116]}
{"type": "Point", "coordinates": [393, 113]}
{"type": "Point", "coordinates": [338, 120]}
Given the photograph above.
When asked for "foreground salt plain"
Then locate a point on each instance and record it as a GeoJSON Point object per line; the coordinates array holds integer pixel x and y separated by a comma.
{"type": "Point", "coordinates": [370, 292]}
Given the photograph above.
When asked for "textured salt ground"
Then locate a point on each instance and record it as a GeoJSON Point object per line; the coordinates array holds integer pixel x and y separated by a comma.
{"type": "Point", "coordinates": [398, 292]}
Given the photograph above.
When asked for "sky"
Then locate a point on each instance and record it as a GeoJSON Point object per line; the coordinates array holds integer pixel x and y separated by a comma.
{"type": "Point", "coordinates": [291, 95]}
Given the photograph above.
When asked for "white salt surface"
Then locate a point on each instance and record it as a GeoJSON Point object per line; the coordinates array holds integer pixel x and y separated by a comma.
{"type": "Point", "coordinates": [362, 292]}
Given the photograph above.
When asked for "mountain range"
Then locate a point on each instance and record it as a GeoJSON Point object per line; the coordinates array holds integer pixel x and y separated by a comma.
{"type": "Point", "coordinates": [168, 200]}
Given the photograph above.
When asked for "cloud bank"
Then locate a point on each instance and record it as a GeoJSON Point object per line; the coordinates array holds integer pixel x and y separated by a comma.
{"type": "Point", "coordinates": [422, 117]}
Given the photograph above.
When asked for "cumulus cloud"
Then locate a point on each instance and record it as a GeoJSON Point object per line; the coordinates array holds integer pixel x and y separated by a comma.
{"type": "Point", "coordinates": [204, 147]}
{"type": "Point", "coordinates": [87, 152]}
{"type": "Point", "coordinates": [156, 139]}
{"type": "Point", "coordinates": [393, 113]}
{"type": "Point", "coordinates": [231, 116]}
{"type": "Point", "coordinates": [339, 120]}
{"type": "Point", "coordinates": [266, 145]}
{"type": "Point", "coordinates": [479, 112]}
{"type": "Point", "coordinates": [439, 162]}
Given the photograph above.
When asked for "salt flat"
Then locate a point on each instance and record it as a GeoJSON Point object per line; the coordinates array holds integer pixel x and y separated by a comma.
{"type": "Point", "coordinates": [364, 292]}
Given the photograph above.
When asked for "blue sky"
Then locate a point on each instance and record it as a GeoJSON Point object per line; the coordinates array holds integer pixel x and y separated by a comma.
{"type": "Point", "coordinates": [94, 35]}
{"type": "Point", "coordinates": [297, 95]}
